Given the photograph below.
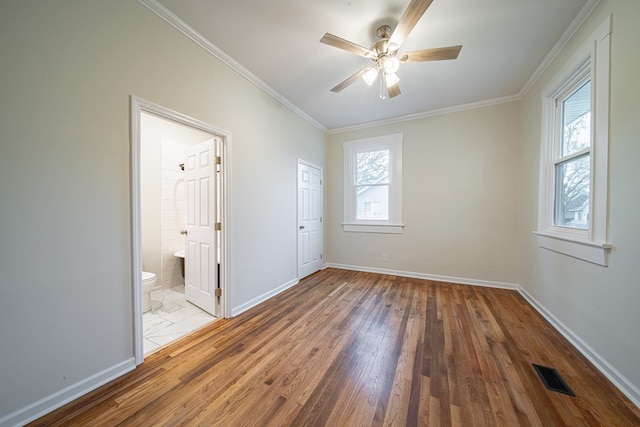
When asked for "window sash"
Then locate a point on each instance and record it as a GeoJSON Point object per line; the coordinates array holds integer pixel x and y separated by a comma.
{"type": "Point", "coordinates": [385, 216]}
{"type": "Point", "coordinates": [561, 218]}
{"type": "Point", "coordinates": [565, 194]}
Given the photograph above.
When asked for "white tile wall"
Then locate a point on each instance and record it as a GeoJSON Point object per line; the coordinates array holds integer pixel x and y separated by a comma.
{"type": "Point", "coordinates": [172, 205]}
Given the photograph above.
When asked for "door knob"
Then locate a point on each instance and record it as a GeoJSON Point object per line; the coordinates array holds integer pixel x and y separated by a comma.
{"type": "Point", "coordinates": [302, 227]}
{"type": "Point", "coordinates": [183, 231]}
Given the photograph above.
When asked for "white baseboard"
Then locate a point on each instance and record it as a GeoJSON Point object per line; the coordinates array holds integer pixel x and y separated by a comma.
{"type": "Point", "coordinates": [54, 401]}
{"type": "Point", "coordinates": [262, 298]}
{"type": "Point", "coordinates": [619, 380]}
{"type": "Point", "coordinates": [434, 277]}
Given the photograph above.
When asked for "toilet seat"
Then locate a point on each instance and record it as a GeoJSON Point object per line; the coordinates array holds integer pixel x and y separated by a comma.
{"type": "Point", "coordinates": [148, 286]}
{"type": "Point", "coordinates": [148, 277]}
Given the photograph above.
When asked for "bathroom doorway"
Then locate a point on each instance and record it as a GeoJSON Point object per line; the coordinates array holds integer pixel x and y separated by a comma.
{"type": "Point", "coordinates": [179, 223]}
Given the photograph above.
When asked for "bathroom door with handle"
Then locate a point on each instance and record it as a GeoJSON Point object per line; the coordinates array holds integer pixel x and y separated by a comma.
{"type": "Point", "coordinates": [200, 248]}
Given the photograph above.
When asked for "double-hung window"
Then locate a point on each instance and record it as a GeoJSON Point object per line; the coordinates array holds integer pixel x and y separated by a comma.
{"type": "Point", "coordinates": [373, 184]}
{"type": "Point", "coordinates": [572, 217]}
{"type": "Point", "coordinates": [572, 157]}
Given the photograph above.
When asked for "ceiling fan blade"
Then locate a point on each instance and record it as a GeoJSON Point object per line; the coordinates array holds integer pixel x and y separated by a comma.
{"type": "Point", "coordinates": [437, 54]}
{"type": "Point", "coordinates": [394, 90]}
{"type": "Point", "coordinates": [349, 81]}
{"type": "Point", "coordinates": [343, 44]}
{"type": "Point", "coordinates": [409, 19]}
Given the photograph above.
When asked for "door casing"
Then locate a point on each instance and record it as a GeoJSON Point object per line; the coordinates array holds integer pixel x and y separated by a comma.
{"type": "Point", "coordinates": [139, 105]}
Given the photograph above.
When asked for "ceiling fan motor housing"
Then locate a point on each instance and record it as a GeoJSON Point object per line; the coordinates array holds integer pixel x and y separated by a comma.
{"type": "Point", "coordinates": [381, 47]}
{"type": "Point", "coordinates": [384, 51]}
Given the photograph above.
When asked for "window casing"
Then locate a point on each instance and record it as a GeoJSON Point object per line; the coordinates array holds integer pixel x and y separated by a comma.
{"type": "Point", "coordinates": [572, 217]}
{"type": "Point", "coordinates": [373, 184]}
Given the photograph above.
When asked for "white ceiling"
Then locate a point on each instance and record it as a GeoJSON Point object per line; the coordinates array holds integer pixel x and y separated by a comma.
{"type": "Point", "coordinates": [504, 43]}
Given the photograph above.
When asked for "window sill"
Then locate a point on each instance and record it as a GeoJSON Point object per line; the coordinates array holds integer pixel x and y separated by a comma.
{"type": "Point", "coordinates": [374, 228]}
{"type": "Point", "coordinates": [587, 250]}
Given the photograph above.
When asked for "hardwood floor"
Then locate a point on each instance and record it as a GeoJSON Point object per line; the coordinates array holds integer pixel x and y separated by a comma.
{"type": "Point", "coordinates": [346, 348]}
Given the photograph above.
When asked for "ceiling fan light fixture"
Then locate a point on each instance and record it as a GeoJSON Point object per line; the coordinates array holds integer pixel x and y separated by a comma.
{"type": "Point", "coordinates": [391, 79]}
{"type": "Point", "coordinates": [370, 76]}
{"type": "Point", "coordinates": [385, 52]}
{"type": "Point", "coordinates": [390, 64]}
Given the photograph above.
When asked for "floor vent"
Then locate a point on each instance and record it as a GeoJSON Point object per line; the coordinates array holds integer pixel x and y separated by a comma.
{"type": "Point", "coordinates": [552, 380]}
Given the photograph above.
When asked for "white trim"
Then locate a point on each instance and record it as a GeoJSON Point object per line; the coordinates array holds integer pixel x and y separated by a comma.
{"type": "Point", "coordinates": [374, 228]}
{"type": "Point", "coordinates": [430, 113]}
{"type": "Point", "coordinates": [392, 143]}
{"type": "Point", "coordinates": [575, 25]}
{"type": "Point", "coordinates": [433, 277]}
{"type": "Point", "coordinates": [587, 250]}
{"type": "Point", "coordinates": [196, 37]}
{"type": "Point", "coordinates": [593, 59]}
{"type": "Point", "coordinates": [619, 380]}
{"type": "Point", "coordinates": [136, 232]}
{"type": "Point", "coordinates": [184, 28]}
{"type": "Point", "coordinates": [54, 401]}
{"type": "Point", "coordinates": [262, 298]}
{"type": "Point", "coordinates": [138, 105]}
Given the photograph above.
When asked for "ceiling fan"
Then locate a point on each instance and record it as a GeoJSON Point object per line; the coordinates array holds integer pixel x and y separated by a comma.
{"type": "Point", "coordinates": [384, 52]}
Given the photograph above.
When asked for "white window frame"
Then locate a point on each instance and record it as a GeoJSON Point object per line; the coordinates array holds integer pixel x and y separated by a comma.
{"type": "Point", "coordinates": [591, 59]}
{"type": "Point", "coordinates": [393, 225]}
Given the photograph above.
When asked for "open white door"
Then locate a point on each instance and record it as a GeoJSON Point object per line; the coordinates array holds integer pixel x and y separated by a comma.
{"type": "Point", "coordinates": [201, 270]}
{"type": "Point", "coordinates": [309, 219]}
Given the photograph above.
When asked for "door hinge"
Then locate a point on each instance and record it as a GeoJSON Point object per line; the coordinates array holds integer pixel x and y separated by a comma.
{"type": "Point", "coordinates": [218, 160]}
{"type": "Point", "coordinates": [218, 226]}
{"type": "Point", "coordinates": [218, 292]}
{"type": "Point", "coordinates": [320, 256]}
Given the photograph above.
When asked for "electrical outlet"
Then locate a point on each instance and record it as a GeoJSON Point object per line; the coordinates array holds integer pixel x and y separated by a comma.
{"type": "Point", "coordinates": [385, 256]}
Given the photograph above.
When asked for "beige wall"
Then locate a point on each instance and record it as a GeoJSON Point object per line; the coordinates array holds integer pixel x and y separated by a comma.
{"type": "Point", "coordinates": [599, 304]}
{"type": "Point", "coordinates": [471, 205]}
{"type": "Point", "coordinates": [67, 71]}
{"type": "Point", "coordinates": [459, 199]}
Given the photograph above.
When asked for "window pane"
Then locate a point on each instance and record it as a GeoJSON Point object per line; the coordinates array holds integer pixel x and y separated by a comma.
{"type": "Point", "coordinates": [372, 202]}
{"type": "Point", "coordinates": [576, 120]}
{"type": "Point", "coordinates": [573, 192]}
{"type": "Point", "coordinates": [372, 167]}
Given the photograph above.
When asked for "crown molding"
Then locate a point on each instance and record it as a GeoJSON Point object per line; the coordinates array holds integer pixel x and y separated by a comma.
{"type": "Point", "coordinates": [425, 114]}
{"type": "Point", "coordinates": [575, 25]}
{"type": "Point", "coordinates": [180, 25]}
{"type": "Point", "coordinates": [185, 29]}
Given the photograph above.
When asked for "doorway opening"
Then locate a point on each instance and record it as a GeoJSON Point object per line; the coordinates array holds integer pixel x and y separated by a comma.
{"type": "Point", "coordinates": [179, 224]}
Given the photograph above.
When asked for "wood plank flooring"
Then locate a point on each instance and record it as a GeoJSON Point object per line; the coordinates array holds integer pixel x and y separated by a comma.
{"type": "Point", "coordinates": [345, 348]}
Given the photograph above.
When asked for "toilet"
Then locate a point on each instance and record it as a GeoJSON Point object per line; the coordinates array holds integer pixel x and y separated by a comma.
{"type": "Point", "coordinates": [148, 285]}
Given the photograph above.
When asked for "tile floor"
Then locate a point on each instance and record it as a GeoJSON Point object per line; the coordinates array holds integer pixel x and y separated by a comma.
{"type": "Point", "coordinates": [170, 317]}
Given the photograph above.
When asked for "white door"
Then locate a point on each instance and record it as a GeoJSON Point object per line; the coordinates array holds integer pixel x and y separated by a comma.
{"type": "Point", "coordinates": [200, 279]}
{"type": "Point", "coordinates": [309, 219]}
